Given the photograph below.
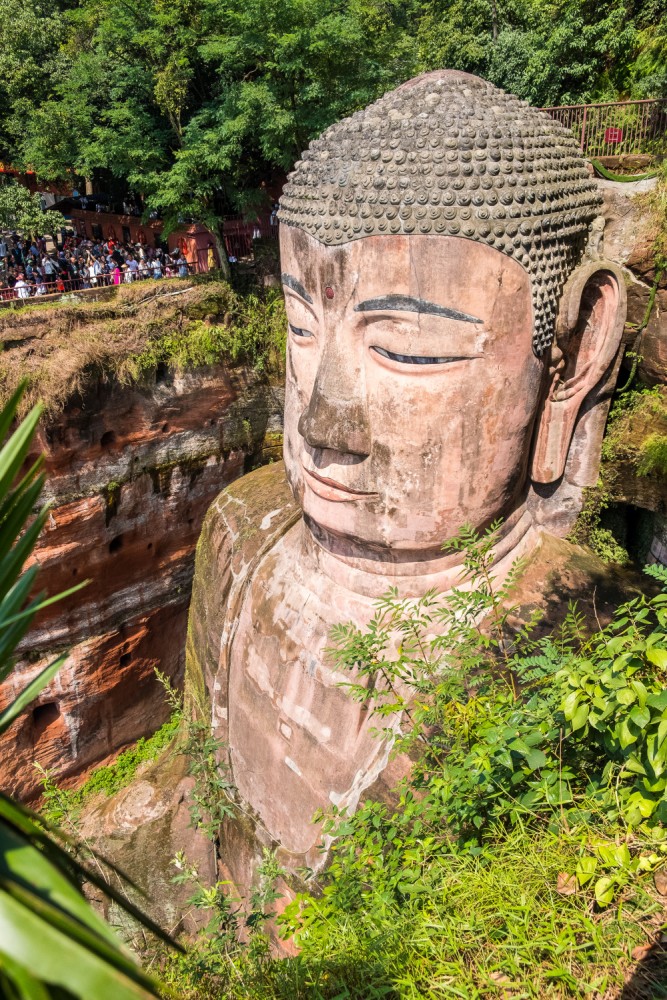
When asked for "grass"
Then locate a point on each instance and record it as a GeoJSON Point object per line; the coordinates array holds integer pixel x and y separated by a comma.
{"type": "Point", "coordinates": [61, 348]}
{"type": "Point", "coordinates": [491, 923]}
{"type": "Point", "coordinates": [496, 925]}
{"type": "Point", "coordinates": [62, 804]}
{"type": "Point", "coordinates": [653, 456]}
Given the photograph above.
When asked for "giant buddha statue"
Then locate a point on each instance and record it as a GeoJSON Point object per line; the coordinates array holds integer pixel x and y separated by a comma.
{"type": "Point", "coordinates": [453, 340]}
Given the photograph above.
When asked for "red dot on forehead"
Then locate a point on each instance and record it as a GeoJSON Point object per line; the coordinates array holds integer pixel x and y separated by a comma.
{"type": "Point", "coordinates": [329, 292]}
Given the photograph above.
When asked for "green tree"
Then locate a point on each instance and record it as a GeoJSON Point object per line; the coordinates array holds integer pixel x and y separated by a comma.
{"type": "Point", "coordinates": [31, 62]}
{"type": "Point", "coordinates": [197, 103]}
{"type": "Point", "coordinates": [22, 212]}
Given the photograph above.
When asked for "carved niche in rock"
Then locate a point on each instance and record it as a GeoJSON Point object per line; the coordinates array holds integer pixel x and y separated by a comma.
{"type": "Point", "coordinates": [451, 352]}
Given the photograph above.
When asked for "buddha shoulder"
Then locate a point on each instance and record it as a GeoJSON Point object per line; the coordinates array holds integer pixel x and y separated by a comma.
{"type": "Point", "coordinates": [243, 523]}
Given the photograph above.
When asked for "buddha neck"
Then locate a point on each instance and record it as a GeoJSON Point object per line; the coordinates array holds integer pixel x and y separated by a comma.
{"type": "Point", "coordinates": [369, 574]}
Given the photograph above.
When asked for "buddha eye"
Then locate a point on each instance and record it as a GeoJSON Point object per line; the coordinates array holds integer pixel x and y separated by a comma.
{"type": "Point", "coordinates": [414, 359]}
{"type": "Point", "coordinates": [299, 332]}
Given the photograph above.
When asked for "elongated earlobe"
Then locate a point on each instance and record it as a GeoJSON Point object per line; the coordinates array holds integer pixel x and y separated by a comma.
{"type": "Point", "coordinates": [588, 338]}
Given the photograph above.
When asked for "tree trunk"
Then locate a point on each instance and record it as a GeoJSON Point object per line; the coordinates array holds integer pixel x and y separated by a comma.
{"type": "Point", "coordinates": [494, 19]}
{"type": "Point", "coordinates": [222, 253]}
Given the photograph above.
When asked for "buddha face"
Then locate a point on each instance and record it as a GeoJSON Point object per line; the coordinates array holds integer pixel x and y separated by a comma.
{"type": "Point", "coordinates": [411, 389]}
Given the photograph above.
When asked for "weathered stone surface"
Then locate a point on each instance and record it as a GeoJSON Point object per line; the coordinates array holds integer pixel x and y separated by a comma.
{"type": "Point", "coordinates": [240, 527]}
{"type": "Point", "coordinates": [559, 573]}
{"type": "Point", "coordinates": [652, 345]}
{"type": "Point", "coordinates": [629, 239]}
{"type": "Point", "coordinates": [131, 472]}
{"type": "Point", "coordinates": [629, 231]}
{"type": "Point", "coordinates": [141, 829]}
{"type": "Point", "coordinates": [104, 696]}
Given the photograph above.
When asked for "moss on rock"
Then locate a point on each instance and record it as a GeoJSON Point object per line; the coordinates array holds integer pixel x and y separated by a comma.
{"type": "Point", "coordinates": [176, 323]}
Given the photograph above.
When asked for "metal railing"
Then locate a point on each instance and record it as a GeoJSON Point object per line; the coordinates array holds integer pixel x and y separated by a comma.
{"type": "Point", "coordinates": [617, 128]}
{"type": "Point", "coordinates": [61, 286]}
{"type": "Point", "coordinates": [240, 236]}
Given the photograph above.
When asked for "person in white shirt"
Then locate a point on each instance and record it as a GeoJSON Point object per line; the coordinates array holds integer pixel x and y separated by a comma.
{"type": "Point", "coordinates": [49, 268]}
{"type": "Point", "coordinates": [22, 288]}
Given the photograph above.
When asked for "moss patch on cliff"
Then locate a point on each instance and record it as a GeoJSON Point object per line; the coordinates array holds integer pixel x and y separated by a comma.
{"type": "Point", "coordinates": [61, 804]}
{"type": "Point", "coordinates": [637, 433]}
{"type": "Point", "coordinates": [633, 471]}
{"type": "Point", "coordinates": [177, 324]}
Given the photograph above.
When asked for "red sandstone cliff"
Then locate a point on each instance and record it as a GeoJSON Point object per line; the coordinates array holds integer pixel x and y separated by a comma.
{"type": "Point", "coordinates": [131, 471]}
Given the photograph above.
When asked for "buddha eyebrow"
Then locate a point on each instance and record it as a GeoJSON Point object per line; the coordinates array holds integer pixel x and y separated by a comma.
{"type": "Point", "coordinates": [296, 286]}
{"type": "Point", "coordinates": [406, 303]}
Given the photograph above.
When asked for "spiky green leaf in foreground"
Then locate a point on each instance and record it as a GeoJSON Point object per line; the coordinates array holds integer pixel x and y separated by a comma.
{"type": "Point", "coordinates": [52, 942]}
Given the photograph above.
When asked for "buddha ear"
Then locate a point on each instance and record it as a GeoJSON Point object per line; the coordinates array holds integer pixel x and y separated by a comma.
{"type": "Point", "coordinates": [589, 328]}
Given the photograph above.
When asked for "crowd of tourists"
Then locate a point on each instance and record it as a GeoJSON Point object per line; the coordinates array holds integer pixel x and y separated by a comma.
{"type": "Point", "coordinates": [29, 268]}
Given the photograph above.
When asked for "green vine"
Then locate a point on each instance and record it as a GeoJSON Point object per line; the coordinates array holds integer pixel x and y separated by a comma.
{"type": "Point", "coordinates": [622, 178]}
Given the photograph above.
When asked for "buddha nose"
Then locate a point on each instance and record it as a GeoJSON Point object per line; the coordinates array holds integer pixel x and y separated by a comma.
{"type": "Point", "coordinates": [336, 416]}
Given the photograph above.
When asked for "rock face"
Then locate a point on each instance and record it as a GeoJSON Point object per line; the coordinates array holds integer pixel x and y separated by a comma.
{"type": "Point", "coordinates": [131, 473]}
{"type": "Point", "coordinates": [141, 828]}
{"type": "Point", "coordinates": [631, 214]}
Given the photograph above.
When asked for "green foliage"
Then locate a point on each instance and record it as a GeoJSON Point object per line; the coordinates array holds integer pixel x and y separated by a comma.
{"type": "Point", "coordinates": [635, 437]}
{"type": "Point", "coordinates": [658, 573]}
{"type": "Point", "coordinates": [22, 212]}
{"type": "Point", "coordinates": [196, 102]}
{"type": "Point", "coordinates": [536, 800]}
{"type": "Point", "coordinates": [563, 51]}
{"type": "Point", "coordinates": [52, 943]}
{"type": "Point", "coordinates": [415, 918]}
{"type": "Point", "coordinates": [62, 804]}
{"type": "Point", "coordinates": [605, 544]}
{"type": "Point", "coordinates": [253, 331]}
{"type": "Point", "coordinates": [212, 798]}
{"type": "Point", "coordinates": [537, 790]}
{"type": "Point", "coordinates": [219, 961]}
{"type": "Point", "coordinates": [653, 456]}
{"type": "Point", "coordinates": [590, 727]}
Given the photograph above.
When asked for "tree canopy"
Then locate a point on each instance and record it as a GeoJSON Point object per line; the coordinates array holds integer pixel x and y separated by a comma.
{"type": "Point", "coordinates": [22, 212]}
{"type": "Point", "coordinates": [193, 103]}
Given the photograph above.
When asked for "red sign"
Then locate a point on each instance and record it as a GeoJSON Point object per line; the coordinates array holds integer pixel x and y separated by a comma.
{"type": "Point", "coordinates": [613, 135]}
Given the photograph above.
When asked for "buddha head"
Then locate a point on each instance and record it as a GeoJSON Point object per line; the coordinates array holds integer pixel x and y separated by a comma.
{"type": "Point", "coordinates": [447, 328]}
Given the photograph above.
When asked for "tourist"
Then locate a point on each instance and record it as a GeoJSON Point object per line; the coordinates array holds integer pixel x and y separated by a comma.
{"type": "Point", "coordinates": [83, 264]}
{"type": "Point", "coordinates": [22, 288]}
{"type": "Point", "coordinates": [49, 269]}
